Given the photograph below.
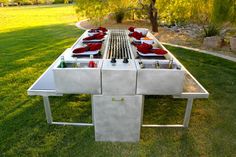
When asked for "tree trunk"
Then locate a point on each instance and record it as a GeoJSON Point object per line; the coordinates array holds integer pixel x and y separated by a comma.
{"type": "Point", "coordinates": [152, 13]}
{"type": "Point", "coordinates": [153, 16]}
{"type": "Point", "coordinates": [153, 20]}
{"type": "Point", "coordinates": [132, 15]}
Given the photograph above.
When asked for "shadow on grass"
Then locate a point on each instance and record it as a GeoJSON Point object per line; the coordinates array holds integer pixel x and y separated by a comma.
{"type": "Point", "coordinates": [163, 110]}
{"type": "Point", "coordinates": [28, 47]}
{"type": "Point", "coordinates": [27, 133]}
{"type": "Point", "coordinates": [25, 54]}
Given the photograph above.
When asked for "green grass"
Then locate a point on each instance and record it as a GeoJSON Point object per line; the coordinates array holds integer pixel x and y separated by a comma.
{"type": "Point", "coordinates": [34, 42]}
{"type": "Point", "coordinates": [15, 18]}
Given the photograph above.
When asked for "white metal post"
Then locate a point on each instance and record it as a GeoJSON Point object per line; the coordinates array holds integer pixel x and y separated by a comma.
{"type": "Point", "coordinates": [188, 112]}
{"type": "Point", "coordinates": [47, 109]}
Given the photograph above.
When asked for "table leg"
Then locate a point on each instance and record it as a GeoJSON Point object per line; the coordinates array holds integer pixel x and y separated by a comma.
{"type": "Point", "coordinates": [188, 112]}
{"type": "Point", "coordinates": [47, 109]}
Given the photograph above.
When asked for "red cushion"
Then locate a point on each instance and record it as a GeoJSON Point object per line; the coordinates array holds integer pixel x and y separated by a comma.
{"type": "Point", "coordinates": [94, 31]}
{"type": "Point", "coordinates": [94, 46]}
{"type": "Point", "coordinates": [144, 45]}
{"type": "Point", "coordinates": [159, 51]}
{"type": "Point", "coordinates": [89, 47]}
{"type": "Point", "coordinates": [131, 29]}
{"type": "Point", "coordinates": [95, 36]}
{"type": "Point", "coordinates": [102, 29]}
{"type": "Point", "coordinates": [144, 48]}
{"type": "Point", "coordinates": [137, 35]}
{"type": "Point", "coordinates": [147, 48]}
{"type": "Point", "coordinates": [80, 50]}
{"type": "Point", "coordinates": [89, 38]}
{"type": "Point", "coordinates": [99, 36]}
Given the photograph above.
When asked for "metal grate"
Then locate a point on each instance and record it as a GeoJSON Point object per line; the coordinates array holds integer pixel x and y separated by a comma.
{"type": "Point", "coordinates": [118, 45]}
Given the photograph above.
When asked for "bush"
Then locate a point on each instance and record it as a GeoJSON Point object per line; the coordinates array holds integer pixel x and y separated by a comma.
{"type": "Point", "coordinates": [119, 15]}
{"type": "Point", "coordinates": [211, 30]}
{"type": "Point", "coordinates": [58, 1]}
{"type": "Point", "coordinates": [26, 3]}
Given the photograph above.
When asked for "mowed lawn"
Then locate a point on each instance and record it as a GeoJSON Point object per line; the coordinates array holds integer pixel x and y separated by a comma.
{"type": "Point", "coordinates": [31, 38]}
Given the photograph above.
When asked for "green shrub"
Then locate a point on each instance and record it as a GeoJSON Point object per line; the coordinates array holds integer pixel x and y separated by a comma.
{"type": "Point", "coordinates": [211, 30]}
{"type": "Point", "coordinates": [119, 15]}
{"type": "Point", "coordinates": [58, 1]}
{"type": "Point", "coordinates": [26, 3]}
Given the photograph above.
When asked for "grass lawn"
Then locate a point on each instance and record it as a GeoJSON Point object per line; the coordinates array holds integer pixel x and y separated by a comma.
{"type": "Point", "coordinates": [31, 38]}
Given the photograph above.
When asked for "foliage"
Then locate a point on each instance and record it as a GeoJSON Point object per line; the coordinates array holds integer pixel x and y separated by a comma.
{"type": "Point", "coordinates": [197, 11]}
{"type": "Point", "coordinates": [31, 2]}
{"type": "Point", "coordinates": [97, 10]}
{"type": "Point", "coordinates": [170, 12]}
{"type": "Point", "coordinates": [25, 2]}
{"type": "Point", "coordinates": [211, 30]}
{"type": "Point", "coordinates": [184, 11]}
{"type": "Point", "coordinates": [224, 11]}
{"type": "Point", "coordinates": [149, 6]}
{"type": "Point", "coordinates": [58, 1]}
{"type": "Point", "coordinates": [201, 11]}
{"type": "Point", "coordinates": [3, 1]}
{"type": "Point", "coordinates": [173, 11]}
{"type": "Point", "coordinates": [119, 15]}
{"type": "Point", "coordinates": [121, 9]}
{"type": "Point", "coordinates": [140, 14]}
{"type": "Point", "coordinates": [93, 9]}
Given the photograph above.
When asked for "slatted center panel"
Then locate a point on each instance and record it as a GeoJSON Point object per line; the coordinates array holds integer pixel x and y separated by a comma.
{"type": "Point", "coordinates": [118, 45]}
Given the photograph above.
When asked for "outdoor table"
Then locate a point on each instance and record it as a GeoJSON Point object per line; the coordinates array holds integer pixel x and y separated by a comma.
{"type": "Point", "coordinates": [45, 86]}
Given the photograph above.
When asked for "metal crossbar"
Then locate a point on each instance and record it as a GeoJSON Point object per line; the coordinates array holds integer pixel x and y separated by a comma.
{"type": "Point", "coordinates": [184, 125]}
{"type": "Point", "coordinates": [186, 118]}
{"type": "Point", "coordinates": [49, 118]}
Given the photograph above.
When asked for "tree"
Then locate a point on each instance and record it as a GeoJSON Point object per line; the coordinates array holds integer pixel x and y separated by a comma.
{"type": "Point", "coordinates": [152, 13]}
{"type": "Point", "coordinates": [184, 11]}
{"type": "Point", "coordinates": [97, 9]}
{"type": "Point", "coordinates": [121, 8]}
{"type": "Point", "coordinates": [93, 9]}
{"type": "Point", "coordinates": [224, 11]}
{"type": "Point", "coordinates": [201, 11]}
{"type": "Point", "coordinates": [165, 11]}
{"type": "Point", "coordinates": [2, 2]}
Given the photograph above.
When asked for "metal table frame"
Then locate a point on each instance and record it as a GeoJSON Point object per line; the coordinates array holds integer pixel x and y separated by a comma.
{"type": "Point", "coordinates": [49, 117]}
{"type": "Point", "coordinates": [46, 93]}
{"type": "Point", "coordinates": [186, 94]}
{"type": "Point", "coordinates": [45, 87]}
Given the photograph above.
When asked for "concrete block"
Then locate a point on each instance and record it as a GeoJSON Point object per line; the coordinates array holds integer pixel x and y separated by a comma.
{"type": "Point", "coordinates": [212, 42]}
{"type": "Point", "coordinates": [233, 43]}
{"type": "Point", "coordinates": [117, 118]}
